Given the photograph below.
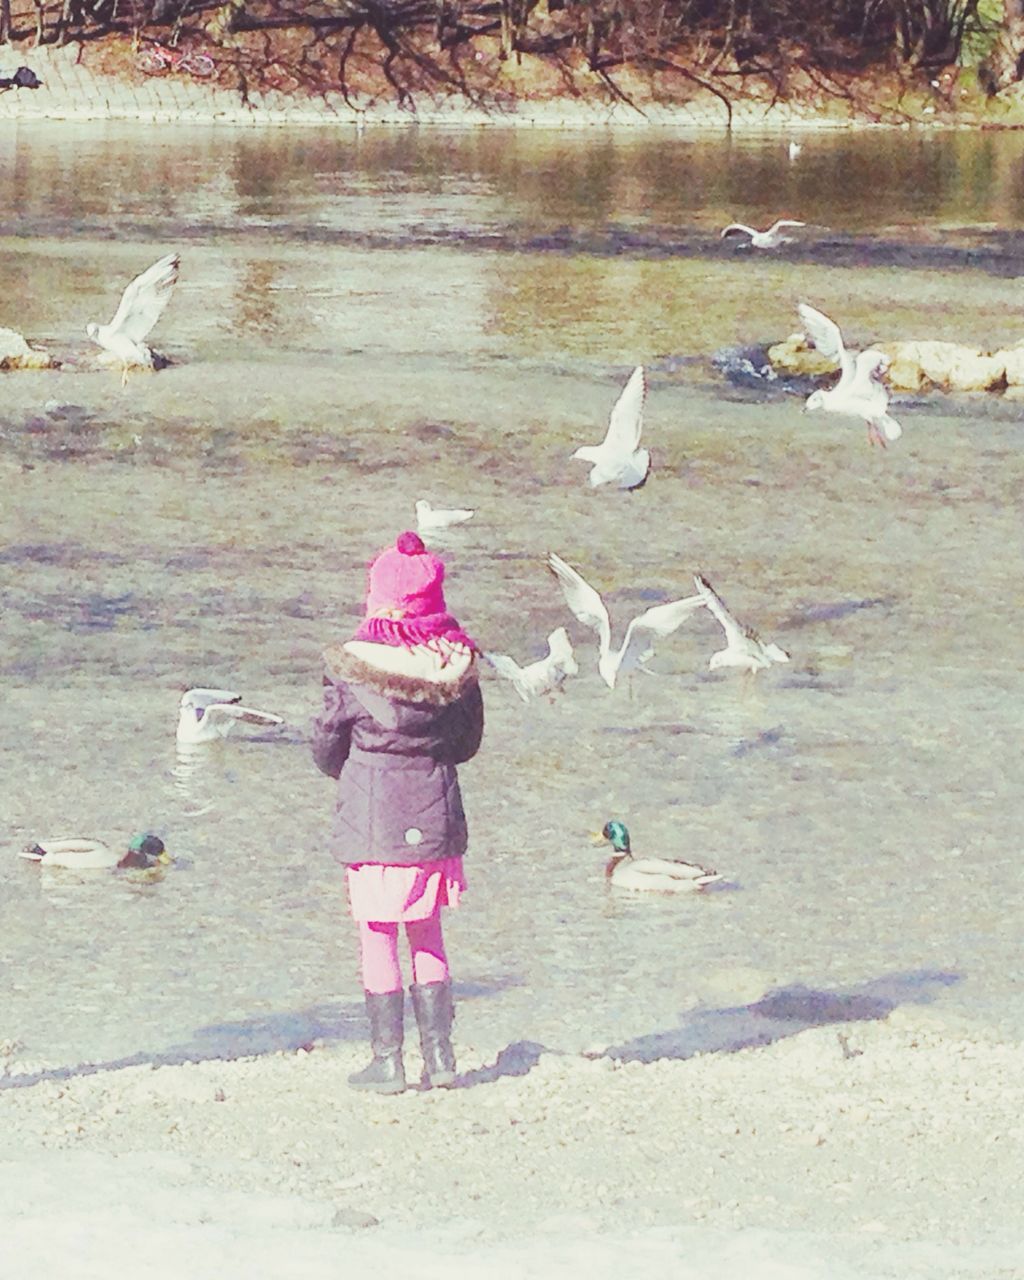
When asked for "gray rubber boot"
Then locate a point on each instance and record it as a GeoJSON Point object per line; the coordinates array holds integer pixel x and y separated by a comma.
{"type": "Point", "coordinates": [435, 1013]}
{"type": "Point", "coordinates": [386, 1073]}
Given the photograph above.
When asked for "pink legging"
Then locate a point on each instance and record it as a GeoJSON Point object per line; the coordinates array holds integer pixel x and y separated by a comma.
{"type": "Point", "coordinates": [378, 944]}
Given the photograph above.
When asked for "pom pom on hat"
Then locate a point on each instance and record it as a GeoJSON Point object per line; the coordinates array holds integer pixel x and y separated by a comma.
{"type": "Point", "coordinates": [406, 581]}
{"type": "Point", "coordinates": [410, 544]}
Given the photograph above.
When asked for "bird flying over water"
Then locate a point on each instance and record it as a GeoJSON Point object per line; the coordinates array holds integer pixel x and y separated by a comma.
{"type": "Point", "coordinates": [618, 459]}
{"type": "Point", "coordinates": [208, 714]}
{"type": "Point", "coordinates": [744, 647]}
{"type": "Point", "coordinates": [544, 676]}
{"type": "Point", "coordinates": [860, 392]}
{"type": "Point", "coordinates": [770, 239]}
{"type": "Point", "coordinates": [638, 643]}
{"type": "Point", "coordinates": [141, 306]}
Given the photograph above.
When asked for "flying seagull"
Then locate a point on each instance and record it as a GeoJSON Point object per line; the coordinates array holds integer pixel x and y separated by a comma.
{"type": "Point", "coordinates": [618, 459]}
{"type": "Point", "coordinates": [638, 644]}
{"type": "Point", "coordinates": [770, 239]}
{"type": "Point", "coordinates": [141, 306]}
{"type": "Point", "coordinates": [860, 392]}
{"type": "Point", "coordinates": [545, 676]}
{"type": "Point", "coordinates": [744, 647]}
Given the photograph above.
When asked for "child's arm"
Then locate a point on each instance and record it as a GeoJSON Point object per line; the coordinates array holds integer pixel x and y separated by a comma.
{"type": "Point", "coordinates": [467, 728]}
{"type": "Point", "coordinates": [332, 732]}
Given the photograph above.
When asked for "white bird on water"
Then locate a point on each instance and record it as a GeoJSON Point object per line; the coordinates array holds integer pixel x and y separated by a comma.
{"type": "Point", "coordinates": [638, 644]}
{"type": "Point", "coordinates": [618, 459]}
{"type": "Point", "coordinates": [434, 519]}
{"type": "Point", "coordinates": [545, 676]}
{"type": "Point", "coordinates": [141, 306]}
{"type": "Point", "coordinates": [770, 239]}
{"type": "Point", "coordinates": [860, 392]}
{"type": "Point", "coordinates": [744, 647]}
{"type": "Point", "coordinates": [208, 714]}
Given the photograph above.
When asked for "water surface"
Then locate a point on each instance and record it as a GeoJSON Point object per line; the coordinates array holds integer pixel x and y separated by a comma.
{"type": "Point", "coordinates": [362, 321]}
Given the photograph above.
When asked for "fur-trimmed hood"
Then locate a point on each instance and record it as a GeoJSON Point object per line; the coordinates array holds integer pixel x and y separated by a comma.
{"type": "Point", "coordinates": [419, 675]}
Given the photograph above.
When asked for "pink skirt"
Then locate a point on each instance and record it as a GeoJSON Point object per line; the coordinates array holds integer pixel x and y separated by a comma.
{"type": "Point", "coordinates": [388, 892]}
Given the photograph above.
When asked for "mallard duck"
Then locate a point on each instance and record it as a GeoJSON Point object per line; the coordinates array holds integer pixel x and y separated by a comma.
{"type": "Point", "coordinates": [658, 875]}
{"type": "Point", "coordinates": [79, 853]}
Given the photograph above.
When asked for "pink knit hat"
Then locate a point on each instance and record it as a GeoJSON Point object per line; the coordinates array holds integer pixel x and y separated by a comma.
{"type": "Point", "coordinates": [405, 598]}
{"type": "Point", "coordinates": [405, 581]}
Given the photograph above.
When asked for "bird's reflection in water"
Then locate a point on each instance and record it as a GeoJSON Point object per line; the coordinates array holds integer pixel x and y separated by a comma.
{"type": "Point", "coordinates": [194, 773]}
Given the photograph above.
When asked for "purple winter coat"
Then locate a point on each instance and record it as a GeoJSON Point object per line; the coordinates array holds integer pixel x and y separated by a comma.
{"type": "Point", "coordinates": [393, 741]}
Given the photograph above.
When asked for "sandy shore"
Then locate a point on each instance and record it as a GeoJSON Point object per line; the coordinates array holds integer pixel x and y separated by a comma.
{"type": "Point", "coordinates": [899, 1135]}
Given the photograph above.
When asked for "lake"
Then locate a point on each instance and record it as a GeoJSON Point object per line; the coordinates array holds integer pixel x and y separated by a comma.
{"type": "Point", "coordinates": [365, 319]}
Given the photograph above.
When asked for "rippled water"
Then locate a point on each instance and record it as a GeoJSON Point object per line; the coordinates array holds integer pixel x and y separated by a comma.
{"type": "Point", "coordinates": [365, 320]}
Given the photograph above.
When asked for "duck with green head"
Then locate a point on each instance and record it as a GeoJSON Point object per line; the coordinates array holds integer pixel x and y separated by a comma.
{"type": "Point", "coordinates": [657, 875]}
{"type": "Point", "coordinates": [81, 853]}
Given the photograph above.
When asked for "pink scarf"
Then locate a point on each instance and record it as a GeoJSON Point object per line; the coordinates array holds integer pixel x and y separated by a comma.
{"type": "Point", "coordinates": [433, 630]}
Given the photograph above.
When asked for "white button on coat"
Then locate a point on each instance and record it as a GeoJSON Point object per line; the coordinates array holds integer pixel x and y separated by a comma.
{"type": "Point", "coordinates": [413, 836]}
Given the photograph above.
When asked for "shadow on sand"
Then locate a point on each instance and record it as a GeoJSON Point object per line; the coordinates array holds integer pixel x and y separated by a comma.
{"type": "Point", "coordinates": [781, 1013]}
{"type": "Point", "coordinates": [324, 1023]}
{"type": "Point", "coordinates": [784, 1012]}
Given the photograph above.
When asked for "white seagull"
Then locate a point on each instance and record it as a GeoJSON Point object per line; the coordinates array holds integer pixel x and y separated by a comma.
{"type": "Point", "coordinates": [770, 239]}
{"type": "Point", "coordinates": [208, 714]}
{"type": "Point", "coordinates": [638, 644]}
{"type": "Point", "coordinates": [860, 392]}
{"type": "Point", "coordinates": [432, 520]}
{"type": "Point", "coordinates": [545, 676]}
{"type": "Point", "coordinates": [744, 647]}
{"type": "Point", "coordinates": [618, 458]}
{"type": "Point", "coordinates": [141, 306]}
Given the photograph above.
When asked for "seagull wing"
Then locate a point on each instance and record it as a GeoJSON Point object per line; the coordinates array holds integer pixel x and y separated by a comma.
{"type": "Point", "coordinates": [784, 222]}
{"type": "Point", "coordinates": [870, 367]}
{"type": "Point", "coordinates": [221, 713]}
{"type": "Point", "coordinates": [561, 651]}
{"type": "Point", "coordinates": [734, 633]}
{"type": "Point", "coordinates": [826, 337]}
{"type": "Point", "coordinates": [582, 600]}
{"type": "Point", "coordinates": [738, 226]}
{"type": "Point", "coordinates": [660, 620]}
{"type": "Point", "coordinates": [510, 670]}
{"type": "Point", "coordinates": [204, 697]}
{"type": "Point", "coordinates": [627, 418]}
{"type": "Point", "coordinates": [145, 298]}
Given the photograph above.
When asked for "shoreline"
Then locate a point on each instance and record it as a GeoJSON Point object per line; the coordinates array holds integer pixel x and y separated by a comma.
{"type": "Point", "coordinates": [870, 1135]}
{"type": "Point", "coordinates": [72, 91]}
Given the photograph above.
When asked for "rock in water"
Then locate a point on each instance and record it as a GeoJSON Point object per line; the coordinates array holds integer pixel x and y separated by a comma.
{"type": "Point", "coordinates": [15, 353]}
{"type": "Point", "coordinates": [948, 366]}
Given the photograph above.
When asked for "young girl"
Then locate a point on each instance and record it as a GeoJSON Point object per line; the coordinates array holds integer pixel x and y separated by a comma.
{"type": "Point", "coordinates": [402, 708]}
